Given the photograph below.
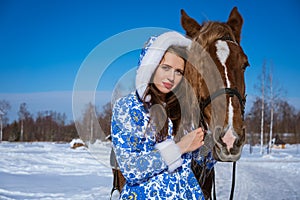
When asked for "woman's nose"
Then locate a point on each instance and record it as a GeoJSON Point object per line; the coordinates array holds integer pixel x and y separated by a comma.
{"type": "Point", "coordinates": [171, 75]}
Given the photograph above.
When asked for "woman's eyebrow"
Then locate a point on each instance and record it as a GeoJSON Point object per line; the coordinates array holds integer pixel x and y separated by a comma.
{"type": "Point", "coordinates": [172, 67]}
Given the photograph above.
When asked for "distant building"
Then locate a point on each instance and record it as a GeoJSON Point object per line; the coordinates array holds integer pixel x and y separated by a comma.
{"type": "Point", "coordinates": [277, 143]}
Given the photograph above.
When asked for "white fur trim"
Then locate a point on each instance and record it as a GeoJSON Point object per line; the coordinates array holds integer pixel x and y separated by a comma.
{"type": "Point", "coordinates": [154, 55]}
{"type": "Point", "coordinates": [175, 165]}
{"type": "Point", "coordinates": [170, 152]}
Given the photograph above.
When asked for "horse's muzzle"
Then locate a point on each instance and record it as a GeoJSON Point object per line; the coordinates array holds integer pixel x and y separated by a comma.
{"type": "Point", "coordinates": [228, 145]}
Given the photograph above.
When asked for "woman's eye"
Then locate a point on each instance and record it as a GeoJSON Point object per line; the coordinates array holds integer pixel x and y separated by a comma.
{"type": "Point", "coordinates": [179, 72]}
{"type": "Point", "coordinates": [165, 67]}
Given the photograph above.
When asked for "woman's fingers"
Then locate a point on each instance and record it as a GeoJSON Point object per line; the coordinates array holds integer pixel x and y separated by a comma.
{"type": "Point", "coordinates": [200, 134]}
{"type": "Point", "coordinates": [192, 140]}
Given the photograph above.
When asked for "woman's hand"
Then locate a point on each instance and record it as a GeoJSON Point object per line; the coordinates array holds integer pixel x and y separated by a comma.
{"type": "Point", "coordinates": [192, 141]}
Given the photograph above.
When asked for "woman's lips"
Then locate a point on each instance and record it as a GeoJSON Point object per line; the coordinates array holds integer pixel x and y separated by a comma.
{"type": "Point", "coordinates": [168, 85]}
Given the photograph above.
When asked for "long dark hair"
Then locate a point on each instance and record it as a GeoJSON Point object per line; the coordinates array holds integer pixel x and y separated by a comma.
{"type": "Point", "coordinates": [166, 105]}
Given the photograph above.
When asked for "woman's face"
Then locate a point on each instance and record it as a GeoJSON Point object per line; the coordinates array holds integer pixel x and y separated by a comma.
{"type": "Point", "coordinates": [169, 73]}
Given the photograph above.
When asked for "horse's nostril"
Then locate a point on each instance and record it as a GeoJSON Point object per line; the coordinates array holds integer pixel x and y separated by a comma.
{"type": "Point", "coordinates": [238, 142]}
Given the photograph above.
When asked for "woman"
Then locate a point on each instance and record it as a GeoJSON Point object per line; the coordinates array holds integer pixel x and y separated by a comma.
{"type": "Point", "coordinates": [149, 137]}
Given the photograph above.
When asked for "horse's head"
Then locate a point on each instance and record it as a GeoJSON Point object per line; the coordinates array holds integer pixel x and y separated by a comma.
{"type": "Point", "coordinates": [216, 73]}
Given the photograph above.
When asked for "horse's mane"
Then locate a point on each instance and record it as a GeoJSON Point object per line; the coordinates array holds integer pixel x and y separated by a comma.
{"type": "Point", "coordinates": [211, 31]}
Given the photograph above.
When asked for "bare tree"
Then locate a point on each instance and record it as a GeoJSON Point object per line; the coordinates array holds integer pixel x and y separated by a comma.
{"type": "Point", "coordinates": [88, 128]}
{"type": "Point", "coordinates": [4, 107]}
{"type": "Point", "coordinates": [271, 108]}
{"type": "Point", "coordinates": [263, 78]}
{"type": "Point", "coordinates": [276, 92]}
{"type": "Point", "coordinates": [269, 95]}
{"type": "Point", "coordinates": [23, 114]}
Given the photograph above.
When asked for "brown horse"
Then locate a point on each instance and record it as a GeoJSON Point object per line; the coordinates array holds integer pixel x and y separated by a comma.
{"type": "Point", "coordinates": [216, 73]}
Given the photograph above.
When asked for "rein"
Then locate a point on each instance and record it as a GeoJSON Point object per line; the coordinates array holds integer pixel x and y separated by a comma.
{"type": "Point", "coordinates": [231, 92]}
{"type": "Point", "coordinates": [116, 183]}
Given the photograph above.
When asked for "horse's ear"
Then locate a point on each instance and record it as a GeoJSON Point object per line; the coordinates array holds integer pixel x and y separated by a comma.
{"type": "Point", "coordinates": [190, 25]}
{"type": "Point", "coordinates": [235, 21]}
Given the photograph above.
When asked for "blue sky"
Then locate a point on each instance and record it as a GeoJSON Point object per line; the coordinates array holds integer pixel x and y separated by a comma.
{"type": "Point", "coordinates": [43, 43]}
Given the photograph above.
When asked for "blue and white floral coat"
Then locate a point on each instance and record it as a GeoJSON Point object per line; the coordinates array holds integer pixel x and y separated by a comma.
{"type": "Point", "coordinates": [152, 170]}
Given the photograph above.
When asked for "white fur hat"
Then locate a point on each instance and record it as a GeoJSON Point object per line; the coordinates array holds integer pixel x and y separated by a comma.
{"type": "Point", "coordinates": [152, 54]}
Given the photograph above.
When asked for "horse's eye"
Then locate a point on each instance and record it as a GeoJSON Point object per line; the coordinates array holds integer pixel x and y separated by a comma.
{"type": "Point", "coordinates": [226, 37]}
{"type": "Point", "coordinates": [245, 65]}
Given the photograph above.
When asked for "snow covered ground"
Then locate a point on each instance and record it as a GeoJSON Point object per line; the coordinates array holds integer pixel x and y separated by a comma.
{"type": "Point", "coordinates": [55, 171]}
{"type": "Point", "coordinates": [274, 176]}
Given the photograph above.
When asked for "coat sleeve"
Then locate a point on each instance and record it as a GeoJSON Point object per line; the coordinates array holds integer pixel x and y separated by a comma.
{"type": "Point", "coordinates": [137, 157]}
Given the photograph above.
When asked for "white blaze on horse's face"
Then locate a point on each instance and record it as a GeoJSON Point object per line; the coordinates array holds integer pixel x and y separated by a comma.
{"type": "Point", "coordinates": [223, 53]}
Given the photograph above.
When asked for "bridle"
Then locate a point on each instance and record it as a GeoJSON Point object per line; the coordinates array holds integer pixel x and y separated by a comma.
{"type": "Point", "coordinates": [231, 92]}
{"type": "Point", "coordinates": [203, 104]}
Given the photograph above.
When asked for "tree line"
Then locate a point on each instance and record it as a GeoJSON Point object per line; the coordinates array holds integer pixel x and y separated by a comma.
{"type": "Point", "coordinates": [286, 122]}
{"type": "Point", "coordinates": [46, 126]}
{"type": "Point", "coordinates": [52, 126]}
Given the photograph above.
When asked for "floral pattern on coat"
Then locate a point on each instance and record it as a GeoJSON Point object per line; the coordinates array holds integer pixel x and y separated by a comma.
{"type": "Point", "coordinates": [144, 169]}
